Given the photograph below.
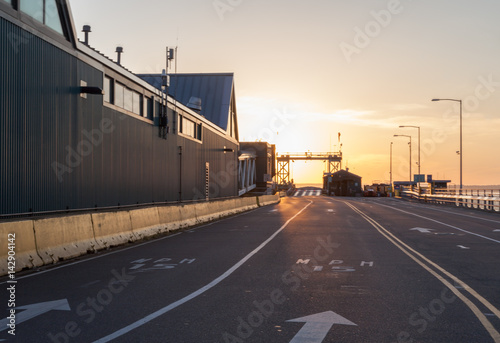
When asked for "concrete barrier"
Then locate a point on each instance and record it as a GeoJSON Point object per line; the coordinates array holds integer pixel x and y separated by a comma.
{"type": "Point", "coordinates": [146, 222]}
{"type": "Point", "coordinates": [210, 210]}
{"type": "Point", "coordinates": [64, 237]}
{"type": "Point", "coordinates": [268, 199]}
{"type": "Point", "coordinates": [248, 203]}
{"type": "Point", "coordinates": [170, 217]}
{"type": "Point", "coordinates": [24, 245]}
{"type": "Point", "coordinates": [188, 215]}
{"type": "Point", "coordinates": [46, 241]}
{"type": "Point", "coordinates": [112, 228]}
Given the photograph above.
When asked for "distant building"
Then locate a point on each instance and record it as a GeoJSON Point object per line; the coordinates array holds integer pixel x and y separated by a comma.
{"type": "Point", "coordinates": [265, 166]}
{"type": "Point", "coordinates": [342, 183]}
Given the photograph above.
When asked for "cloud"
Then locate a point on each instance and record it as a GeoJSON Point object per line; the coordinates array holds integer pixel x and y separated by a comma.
{"type": "Point", "coordinates": [407, 107]}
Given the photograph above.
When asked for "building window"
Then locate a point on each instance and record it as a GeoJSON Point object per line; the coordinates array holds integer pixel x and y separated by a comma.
{"type": "Point", "coordinates": [125, 98]}
{"type": "Point", "coordinates": [198, 132]}
{"type": "Point", "coordinates": [157, 108]}
{"type": "Point", "coordinates": [8, 1]}
{"type": "Point", "coordinates": [44, 11]}
{"type": "Point", "coordinates": [137, 103]}
{"type": "Point", "coordinates": [33, 8]}
{"type": "Point", "coordinates": [119, 88]}
{"type": "Point", "coordinates": [148, 108]}
{"type": "Point", "coordinates": [108, 89]}
{"type": "Point", "coordinates": [189, 128]}
{"type": "Point", "coordinates": [52, 19]}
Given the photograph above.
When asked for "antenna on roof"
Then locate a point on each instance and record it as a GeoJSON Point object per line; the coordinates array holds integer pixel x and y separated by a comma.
{"type": "Point", "coordinates": [165, 83]}
{"type": "Point", "coordinates": [171, 55]}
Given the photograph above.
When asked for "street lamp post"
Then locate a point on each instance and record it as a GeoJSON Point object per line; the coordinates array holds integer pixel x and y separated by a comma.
{"type": "Point", "coordinates": [461, 154]}
{"type": "Point", "coordinates": [415, 127]}
{"type": "Point", "coordinates": [410, 149]}
{"type": "Point", "coordinates": [390, 172]}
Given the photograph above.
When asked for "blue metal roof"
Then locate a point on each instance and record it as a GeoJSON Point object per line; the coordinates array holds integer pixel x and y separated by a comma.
{"type": "Point", "coordinates": [214, 90]}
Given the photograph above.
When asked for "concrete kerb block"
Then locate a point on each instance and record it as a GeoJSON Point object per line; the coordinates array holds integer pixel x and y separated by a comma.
{"type": "Point", "coordinates": [207, 211]}
{"type": "Point", "coordinates": [248, 201]}
{"type": "Point", "coordinates": [269, 199]}
{"type": "Point", "coordinates": [146, 222]}
{"type": "Point", "coordinates": [188, 215]}
{"type": "Point", "coordinates": [24, 245]}
{"type": "Point", "coordinates": [113, 228]}
{"type": "Point", "coordinates": [170, 217]}
{"type": "Point", "coordinates": [201, 210]}
{"type": "Point", "coordinates": [226, 208]}
{"type": "Point", "coordinates": [64, 237]}
{"type": "Point", "coordinates": [234, 205]}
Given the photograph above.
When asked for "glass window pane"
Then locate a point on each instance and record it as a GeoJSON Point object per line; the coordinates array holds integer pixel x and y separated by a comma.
{"type": "Point", "coordinates": [119, 95]}
{"type": "Point", "coordinates": [33, 8]}
{"type": "Point", "coordinates": [136, 103]}
{"type": "Point", "coordinates": [52, 19]}
{"type": "Point", "coordinates": [147, 111]}
{"type": "Point", "coordinates": [198, 134]}
{"type": "Point", "coordinates": [8, 1]}
{"type": "Point", "coordinates": [107, 89]}
{"type": "Point", "coordinates": [157, 109]}
{"type": "Point", "coordinates": [127, 99]}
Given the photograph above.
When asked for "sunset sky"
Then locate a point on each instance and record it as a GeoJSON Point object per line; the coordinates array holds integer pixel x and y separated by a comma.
{"type": "Point", "coordinates": [306, 70]}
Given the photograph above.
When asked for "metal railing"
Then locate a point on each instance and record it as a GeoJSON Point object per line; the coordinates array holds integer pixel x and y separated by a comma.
{"type": "Point", "coordinates": [482, 199]}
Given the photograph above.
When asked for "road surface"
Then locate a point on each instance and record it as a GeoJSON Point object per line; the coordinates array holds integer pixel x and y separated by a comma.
{"type": "Point", "coordinates": [310, 269]}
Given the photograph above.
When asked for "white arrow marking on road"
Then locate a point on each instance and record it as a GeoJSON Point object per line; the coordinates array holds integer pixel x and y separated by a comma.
{"type": "Point", "coordinates": [35, 310]}
{"type": "Point", "coordinates": [496, 230]}
{"type": "Point", "coordinates": [421, 229]}
{"type": "Point", "coordinates": [317, 326]}
{"type": "Point", "coordinates": [462, 247]}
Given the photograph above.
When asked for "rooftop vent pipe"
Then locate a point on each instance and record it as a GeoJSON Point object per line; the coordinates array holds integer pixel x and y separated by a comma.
{"type": "Point", "coordinates": [194, 104]}
{"type": "Point", "coordinates": [86, 29]}
{"type": "Point", "coordinates": [119, 51]}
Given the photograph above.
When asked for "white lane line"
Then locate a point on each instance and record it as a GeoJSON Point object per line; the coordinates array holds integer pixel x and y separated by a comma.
{"type": "Point", "coordinates": [202, 290]}
{"type": "Point", "coordinates": [425, 263]}
{"type": "Point", "coordinates": [462, 247]}
{"type": "Point", "coordinates": [450, 212]}
{"type": "Point", "coordinates": [437, 221]}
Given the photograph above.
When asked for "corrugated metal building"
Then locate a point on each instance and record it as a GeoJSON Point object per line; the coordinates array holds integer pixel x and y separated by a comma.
{"type": "Point", "coordinates": [64, 147]}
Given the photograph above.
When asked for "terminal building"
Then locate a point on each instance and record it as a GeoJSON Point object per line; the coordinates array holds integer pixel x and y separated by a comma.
{"type": "Point", "coordinates": [80, 131]}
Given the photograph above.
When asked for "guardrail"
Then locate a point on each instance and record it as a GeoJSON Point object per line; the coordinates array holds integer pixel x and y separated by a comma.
{"type": "Point", "coordinates": [471, 199]}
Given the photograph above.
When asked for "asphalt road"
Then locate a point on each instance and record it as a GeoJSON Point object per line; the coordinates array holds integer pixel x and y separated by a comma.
{"type": "Point", "coordinates": [310, 269]}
